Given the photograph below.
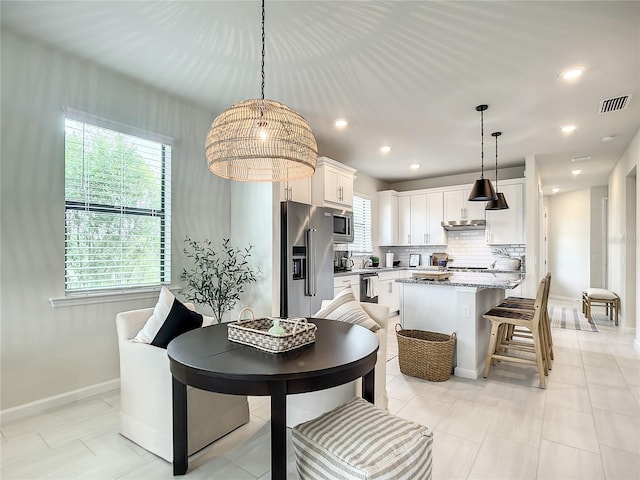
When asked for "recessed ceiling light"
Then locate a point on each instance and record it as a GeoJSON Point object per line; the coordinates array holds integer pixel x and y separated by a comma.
{"type": "Point", "coordinates": [581, 159]}
{"type": "Point", "coordinates": [608, 138]}
{"type": "Point", "coordinates": [555, 190]}
{"type": "Point", "coordinates": [414, 166]}
{"type": "Point", "coordinates": [340, 123]}
{"type": "Point", "coordinates": [568, 129]}
{"type": "Point", "coordinates": [572, 73]}
{"type": "Point", "coordinates": [385, 149]}
{"type": "Point", "coordinates": [576, 172]}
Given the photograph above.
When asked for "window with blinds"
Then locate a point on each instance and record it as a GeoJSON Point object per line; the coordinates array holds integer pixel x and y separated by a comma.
{"type": "Point", "coordinates": [361, 225]}
{"type": "Point", "coordinates": [117, 208]}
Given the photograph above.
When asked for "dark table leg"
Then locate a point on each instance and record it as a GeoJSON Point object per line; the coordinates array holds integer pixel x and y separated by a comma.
{"type": "Point", "coordinates": [180, 454]}
{"type": "Point", "coordinates": [279, 431]}
{"type": "Point", "coordinates": [368, 386]}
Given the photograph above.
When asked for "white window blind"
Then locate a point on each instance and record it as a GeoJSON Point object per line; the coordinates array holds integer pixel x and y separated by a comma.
{"type": "Point", "coordinates": [117, 209]}
{"type": "Point", "coordinates": [361, 225]}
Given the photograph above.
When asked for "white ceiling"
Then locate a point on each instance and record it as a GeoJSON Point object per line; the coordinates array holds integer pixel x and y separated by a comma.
{"type": "Point", "coordinates": [406, 74]}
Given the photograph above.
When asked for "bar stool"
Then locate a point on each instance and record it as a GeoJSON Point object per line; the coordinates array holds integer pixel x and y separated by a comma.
{"type": "Point", "coordinates": [527, 304]}
{"type": "Point", "coordinates": [593, 297]}
{"type": "Point", "coordinates": [502, 348]}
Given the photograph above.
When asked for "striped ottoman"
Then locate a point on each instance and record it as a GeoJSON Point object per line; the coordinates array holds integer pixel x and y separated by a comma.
{"type": "Point", "coordinates": [359, 441]}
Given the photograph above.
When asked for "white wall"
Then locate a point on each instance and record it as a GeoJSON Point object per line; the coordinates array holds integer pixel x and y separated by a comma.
{"type": "Point", "coordinates": [49, 351]}
{"type": "Point", "coordinates": [620, 234]}
{"type": "Point", "coordinates": [569, 243]}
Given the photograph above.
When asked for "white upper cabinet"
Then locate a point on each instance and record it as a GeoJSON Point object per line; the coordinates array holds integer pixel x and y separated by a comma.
{"type": "Point", "coordinates": [458, 207]}
{"type": "Point", "coordinates": [296, 190]}
{"type": "Point", "coordinates": [507, 226]}
{"type": "Point", "coordinates": [435, 215]}
{"type": "Point", "coordinates": [332, 184]}
{"type": "Point", "coordinates": [419, 219]}
{"type": "Point", "coordinates": [388, 217]}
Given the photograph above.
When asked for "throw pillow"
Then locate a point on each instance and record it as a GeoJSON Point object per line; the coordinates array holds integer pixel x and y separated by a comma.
{"type": "Point", "coordinates": [346, 308]}
{"type": "Point", "coordinates": [170, 318]}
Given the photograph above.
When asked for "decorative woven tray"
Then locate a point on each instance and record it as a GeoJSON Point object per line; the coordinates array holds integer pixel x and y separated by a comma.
{"type": "Point", "coordinates": [431, 275]}
{"type": "Point", "coordinates": [255, 333]}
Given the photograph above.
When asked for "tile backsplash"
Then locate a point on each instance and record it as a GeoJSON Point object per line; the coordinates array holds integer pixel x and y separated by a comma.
{"type": "Point", "coordinates": [465, 248]}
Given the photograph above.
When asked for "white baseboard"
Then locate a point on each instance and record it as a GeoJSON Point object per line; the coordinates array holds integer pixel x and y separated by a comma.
{"type": "Point", "coordinates": [27, 409]}
{"type": "Point", "coordinates": [564, 299]}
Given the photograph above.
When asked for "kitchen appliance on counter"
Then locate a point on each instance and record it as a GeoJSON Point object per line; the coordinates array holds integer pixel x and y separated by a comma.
{"type": "Point", "coordinates": [306, 256]}
{"type": "Point", "coordinates": [439, 259]}
{"type": "Point", "coordinates": [342, 261]}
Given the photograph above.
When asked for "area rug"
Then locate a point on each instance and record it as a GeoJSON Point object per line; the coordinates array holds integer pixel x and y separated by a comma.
{"type": "Point", "coordinates": [570, 319]}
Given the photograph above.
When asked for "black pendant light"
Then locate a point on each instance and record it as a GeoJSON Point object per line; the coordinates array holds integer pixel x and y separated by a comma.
{"type": "Point", "coordinates": [482, 189]}
{"type": "Point", "coordinates": [501, 202]}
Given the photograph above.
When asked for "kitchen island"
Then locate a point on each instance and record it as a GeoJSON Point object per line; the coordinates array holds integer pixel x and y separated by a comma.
{"type": "Point", "coordinates": [456, 305]}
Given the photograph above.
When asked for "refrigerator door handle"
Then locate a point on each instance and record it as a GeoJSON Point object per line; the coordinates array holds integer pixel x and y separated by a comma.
{"type": "Point", "coordinates": [311, 266]}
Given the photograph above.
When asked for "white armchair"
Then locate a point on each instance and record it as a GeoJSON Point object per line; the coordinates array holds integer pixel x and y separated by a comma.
{"type": "Point", "coordinates": [302, 407]}
{"type": "Point", "coordinates": [146, 400]}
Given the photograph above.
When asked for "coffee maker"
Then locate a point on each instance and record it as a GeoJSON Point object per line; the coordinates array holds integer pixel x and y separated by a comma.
{"type": "Point", "coordinates": [342, 261]}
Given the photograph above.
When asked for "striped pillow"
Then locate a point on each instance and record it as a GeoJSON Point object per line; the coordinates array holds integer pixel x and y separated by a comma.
{"type": "Point", "coordinates": [360, 441]}
{"type": "Point", "coordinates": [346, 308]}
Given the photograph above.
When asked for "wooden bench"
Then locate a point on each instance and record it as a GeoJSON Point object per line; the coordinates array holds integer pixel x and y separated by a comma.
{"type": "Point", "coordinates": [594, 297]}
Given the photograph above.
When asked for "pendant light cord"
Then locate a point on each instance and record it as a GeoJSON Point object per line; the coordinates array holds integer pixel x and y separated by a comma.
{"type": "Point", "coordinates": [482, 143]}
{"type": "Point", "coordinates": [496, 137]}
{"type": "Point", "coordinates": [262, 64]}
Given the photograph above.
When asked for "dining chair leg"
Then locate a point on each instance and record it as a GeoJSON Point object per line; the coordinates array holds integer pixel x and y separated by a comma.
{"type": "Point", "coordinates": [539, 361]}
{"type": "Point", "coordinates": [493, 340]}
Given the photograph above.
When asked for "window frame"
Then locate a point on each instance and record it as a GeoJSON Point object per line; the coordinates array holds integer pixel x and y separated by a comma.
{"type": "Point", "coordinates": [367, 226]}
{"type": "Point", "coordinates": [165, 145]}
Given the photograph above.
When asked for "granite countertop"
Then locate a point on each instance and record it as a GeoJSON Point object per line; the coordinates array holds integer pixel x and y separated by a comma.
{"type": "Point", "coordinates": [421, 268]}
{"type": "Point", "coordinates": [483, 279]}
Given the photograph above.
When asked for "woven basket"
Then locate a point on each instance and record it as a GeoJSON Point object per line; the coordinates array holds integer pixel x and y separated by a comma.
{"type": "Point", "coordinates": [426, 355]}
{"type": "Point", "coordinates": [255, 333]}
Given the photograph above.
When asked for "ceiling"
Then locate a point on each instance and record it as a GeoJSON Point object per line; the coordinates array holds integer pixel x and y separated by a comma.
{"type": "Point", "coordinates": [404, 74]}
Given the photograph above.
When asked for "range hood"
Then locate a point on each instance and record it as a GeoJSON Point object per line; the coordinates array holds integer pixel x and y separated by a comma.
{"type": "Point", "coordinates": [464, 225]}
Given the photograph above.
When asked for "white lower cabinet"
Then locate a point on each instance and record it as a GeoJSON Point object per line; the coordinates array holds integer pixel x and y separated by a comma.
{"type": "Point", "coordinates": [344, 281]}
{"type": "Point", "coordinates": [389, 290]}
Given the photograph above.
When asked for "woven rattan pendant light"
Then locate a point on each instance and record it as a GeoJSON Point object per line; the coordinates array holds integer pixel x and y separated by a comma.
{"type": "Point", "coordinates": [482, 189]}
{"type": "Point", "coordinates": [500, 203]}
{"type": "Point", "coordinates": [261, 140]}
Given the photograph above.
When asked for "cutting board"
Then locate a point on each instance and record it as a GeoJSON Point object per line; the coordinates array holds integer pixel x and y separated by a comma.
{"type": "Point", "coordinates": [431, 275]}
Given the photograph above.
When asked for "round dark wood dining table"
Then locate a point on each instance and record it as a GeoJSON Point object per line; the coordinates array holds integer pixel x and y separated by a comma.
{"type": "Point", "coordinates": [204, 358]}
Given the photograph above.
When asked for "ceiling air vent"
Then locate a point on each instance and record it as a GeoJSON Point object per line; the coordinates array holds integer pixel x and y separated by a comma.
{"type": "Point", "coordinates": [616, 104]}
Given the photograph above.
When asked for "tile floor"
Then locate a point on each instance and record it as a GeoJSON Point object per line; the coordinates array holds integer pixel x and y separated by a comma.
{"type": "Point", "coordinates": [586, 425]}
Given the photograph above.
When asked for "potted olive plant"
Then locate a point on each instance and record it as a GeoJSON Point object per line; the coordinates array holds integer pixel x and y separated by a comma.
{"type": "Point", "coordinates": [217, 277]}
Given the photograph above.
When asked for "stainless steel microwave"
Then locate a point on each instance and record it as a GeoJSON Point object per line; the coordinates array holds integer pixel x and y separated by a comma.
{"type": "Point", "coordinates": [342, 226]}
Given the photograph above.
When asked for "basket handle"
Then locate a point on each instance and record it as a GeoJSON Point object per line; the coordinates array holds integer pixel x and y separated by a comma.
{"type": "Point", "coordinates": [454, 335]}
{"type": "Point", "coordinates": [295, 325]}
{"type": "Point", "coordinates": [396, 327]}
{"type": "Point", "coordinates": [244, 310]}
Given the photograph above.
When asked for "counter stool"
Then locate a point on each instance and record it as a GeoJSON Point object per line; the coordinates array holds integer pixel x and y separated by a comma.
{"type": "Point", "coordinates": [358, 440]}
{"type": "Point", "coordinates": [527, 304]}
{"type": "Point", "coordinates": [594, 297]}
{"type": "Point", "coordinates": [503, 348]}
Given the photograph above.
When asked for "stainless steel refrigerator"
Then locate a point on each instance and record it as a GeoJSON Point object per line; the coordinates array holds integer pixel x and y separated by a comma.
{"type": "Point", "coordinates": [306, 270]}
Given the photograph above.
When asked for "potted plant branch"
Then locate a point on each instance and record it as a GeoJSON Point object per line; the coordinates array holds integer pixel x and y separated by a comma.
{"type": "Point", "coordinates": [218, 277]}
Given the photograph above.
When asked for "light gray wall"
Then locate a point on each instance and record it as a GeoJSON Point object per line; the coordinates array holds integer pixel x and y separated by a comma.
{"type": "Point", "coordinates": [49, 351]}
{"type": "Point", "coordinates": [621, 232]}
{"type": "Point", "coordinates": [460, 179]}
{"type": "Point", "coordinates": [569, 243]}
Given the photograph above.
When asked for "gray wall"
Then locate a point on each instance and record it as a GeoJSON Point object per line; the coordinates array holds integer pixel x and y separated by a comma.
{"type": "Point", "coordinates": [48, 351]}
